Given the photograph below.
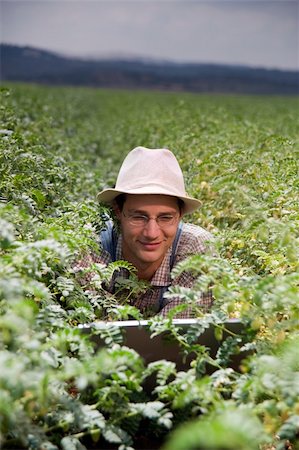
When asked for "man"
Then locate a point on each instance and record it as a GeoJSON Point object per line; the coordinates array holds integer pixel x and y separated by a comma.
{"type": "Point", "coordinates": [149, 201]}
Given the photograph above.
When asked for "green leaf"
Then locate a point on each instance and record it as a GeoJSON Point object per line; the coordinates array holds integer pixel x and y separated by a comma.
{"type": "Point", "coordinates": [71, 443]}
{"type": "Point", "coordinates": [290, 428]}
{"type": "Point", "coordinates": [230, 429]}
{"type": "Point", "coordinates": [115, 435]}
{"type": "Point", "coordinates": [48, 446]}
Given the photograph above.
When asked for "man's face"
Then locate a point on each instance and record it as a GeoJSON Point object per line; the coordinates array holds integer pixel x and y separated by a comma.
{"type": "Point", "coordinates": [146, 243]}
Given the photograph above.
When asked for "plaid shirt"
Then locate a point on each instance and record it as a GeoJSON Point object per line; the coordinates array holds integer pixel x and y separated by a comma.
{"type": "Point", "coordinates": [193, 240]}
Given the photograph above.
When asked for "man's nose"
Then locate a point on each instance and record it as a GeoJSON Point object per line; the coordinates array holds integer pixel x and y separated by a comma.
{"type": "Point", "coordinates": [151, 229]}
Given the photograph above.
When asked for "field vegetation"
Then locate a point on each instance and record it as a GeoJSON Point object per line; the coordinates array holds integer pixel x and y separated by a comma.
{"type": "Point", "coordinates": [58, 148]}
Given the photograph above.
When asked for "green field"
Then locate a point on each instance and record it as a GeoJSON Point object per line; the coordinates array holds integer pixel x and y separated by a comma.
{"type": "Point", "coordinates": [58, 148]}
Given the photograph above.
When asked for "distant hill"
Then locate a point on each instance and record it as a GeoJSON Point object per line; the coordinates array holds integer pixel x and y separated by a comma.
{"type": "Point", "coordinates": [29, 64]}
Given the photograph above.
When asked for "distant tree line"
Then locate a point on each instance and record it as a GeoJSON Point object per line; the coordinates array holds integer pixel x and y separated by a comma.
{"type": "Point", "coordinates": [33, 65]}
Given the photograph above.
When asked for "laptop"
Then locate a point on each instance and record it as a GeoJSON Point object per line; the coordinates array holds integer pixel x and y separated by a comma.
{"type": "Point", "coordinates": [137, 335]}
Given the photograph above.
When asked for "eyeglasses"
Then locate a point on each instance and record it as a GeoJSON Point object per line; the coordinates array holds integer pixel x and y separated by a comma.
{"type": "Point", "coordinates": [141, 220]}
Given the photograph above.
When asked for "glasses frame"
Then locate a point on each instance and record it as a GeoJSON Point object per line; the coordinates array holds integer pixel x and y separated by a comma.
{"type": "Point", "coordinates": [161, 225]}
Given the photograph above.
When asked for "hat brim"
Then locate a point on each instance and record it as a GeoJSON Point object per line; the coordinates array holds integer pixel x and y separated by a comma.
{"type": "Point", "coordinates": [109, 195]}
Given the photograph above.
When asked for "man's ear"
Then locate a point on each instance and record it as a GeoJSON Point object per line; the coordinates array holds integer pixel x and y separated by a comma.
{"type": "Point", "coordinates": [116, 210]}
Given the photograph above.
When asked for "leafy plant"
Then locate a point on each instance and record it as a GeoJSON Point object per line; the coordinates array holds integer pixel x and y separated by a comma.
{"type": "Point", "coordinates": [58, 148]}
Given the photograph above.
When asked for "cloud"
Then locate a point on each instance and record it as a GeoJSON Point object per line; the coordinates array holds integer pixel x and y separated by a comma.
{"type": "Point", "coordinates": [263, 33]}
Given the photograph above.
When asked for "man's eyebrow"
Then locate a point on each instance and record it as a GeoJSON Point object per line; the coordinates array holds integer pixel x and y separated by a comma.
{"type": "Point", "coordinates": [139, 211]}
{"type": "Point", "coordinates": [145, 213]}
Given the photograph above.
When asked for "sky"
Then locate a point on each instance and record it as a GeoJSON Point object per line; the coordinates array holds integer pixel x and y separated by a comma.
{"type": "Point", "coordinates": [257, 33]}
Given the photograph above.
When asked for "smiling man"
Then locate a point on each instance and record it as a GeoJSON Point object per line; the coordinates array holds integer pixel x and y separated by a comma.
{"type": "Point", "coordinates": [149, 201]}
{"type": "Point", "coordinates": [149, 224]}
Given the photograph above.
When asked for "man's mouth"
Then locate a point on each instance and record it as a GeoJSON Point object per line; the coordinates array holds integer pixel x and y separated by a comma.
{"type": "Point", "coordinates": [150, 245]}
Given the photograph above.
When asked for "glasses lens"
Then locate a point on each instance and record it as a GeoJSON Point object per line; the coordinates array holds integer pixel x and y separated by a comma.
{"type": "Point", "coordinates": [139, 220]}
{"type": "Point", "coordinates": [165, 220]}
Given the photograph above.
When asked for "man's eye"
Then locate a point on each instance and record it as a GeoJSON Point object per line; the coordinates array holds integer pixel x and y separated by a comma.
{"type": "Point", "coordinates": [166, 218]}
{"type": "Point", "coordinates": [139, 218]}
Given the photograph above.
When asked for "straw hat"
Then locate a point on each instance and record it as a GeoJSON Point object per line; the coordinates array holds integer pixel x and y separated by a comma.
{"type": "Point", "coordinates": [150, 171]}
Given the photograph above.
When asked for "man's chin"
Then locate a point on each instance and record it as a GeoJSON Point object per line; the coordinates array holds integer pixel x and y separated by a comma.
{"type": "Point", "coordinates": [150, 257]}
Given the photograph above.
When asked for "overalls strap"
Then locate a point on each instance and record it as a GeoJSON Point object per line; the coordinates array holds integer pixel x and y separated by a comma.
{"type": "Point", "coordinates": [109, 239]}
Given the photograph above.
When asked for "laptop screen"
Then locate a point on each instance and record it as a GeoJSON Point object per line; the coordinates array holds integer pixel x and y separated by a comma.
{"type": "Point", "coordinates": [138, 336]}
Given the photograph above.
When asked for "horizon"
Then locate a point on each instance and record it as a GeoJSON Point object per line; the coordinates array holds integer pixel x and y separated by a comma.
{"type": "Point", "coordinates": [143, 59]}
